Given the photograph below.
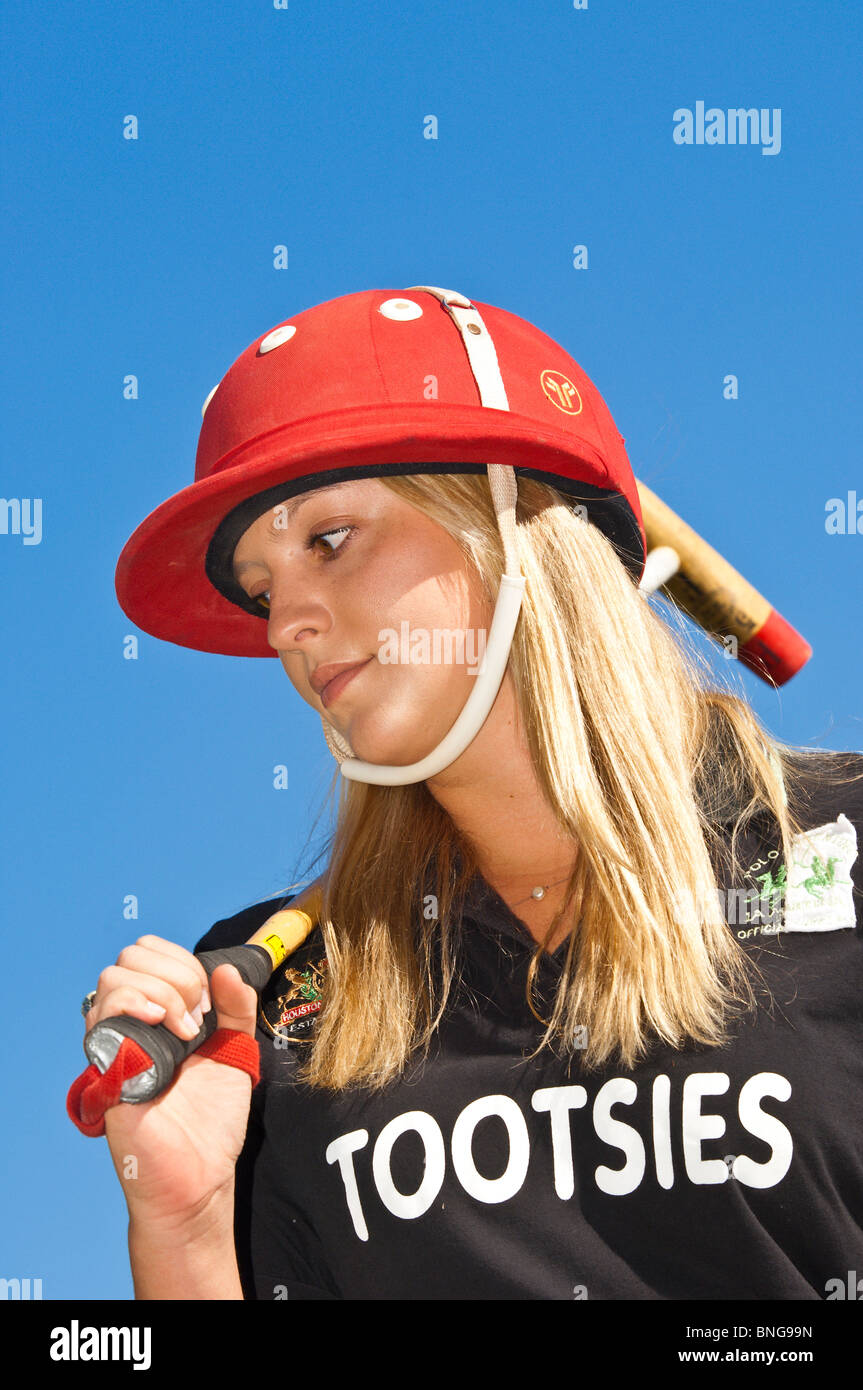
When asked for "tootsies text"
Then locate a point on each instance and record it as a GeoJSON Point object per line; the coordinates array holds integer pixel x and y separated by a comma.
{"type": "Point", "coordinates": [557, 1103]}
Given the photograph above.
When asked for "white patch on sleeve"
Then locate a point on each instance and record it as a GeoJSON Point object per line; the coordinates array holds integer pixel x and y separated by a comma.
{"type": "Point", "coordinates": [819, 887]}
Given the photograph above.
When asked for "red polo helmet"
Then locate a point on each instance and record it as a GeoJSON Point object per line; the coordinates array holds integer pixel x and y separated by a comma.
{"type": "Point", "coordinates": [367, 385]}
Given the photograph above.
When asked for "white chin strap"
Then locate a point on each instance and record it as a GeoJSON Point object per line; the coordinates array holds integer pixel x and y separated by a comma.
{"type": "Point", "coordinates": [504, 490]}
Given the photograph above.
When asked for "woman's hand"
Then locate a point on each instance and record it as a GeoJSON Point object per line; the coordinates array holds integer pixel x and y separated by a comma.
{"type": "Point", "coordinates": [176, 1155]}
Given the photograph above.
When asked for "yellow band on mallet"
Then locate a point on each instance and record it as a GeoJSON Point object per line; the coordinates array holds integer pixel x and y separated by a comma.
{"type": "Point", "coordinates": [288, 928]}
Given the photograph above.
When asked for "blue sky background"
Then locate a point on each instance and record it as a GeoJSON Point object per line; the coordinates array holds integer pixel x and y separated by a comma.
{"type": "Point", "coordinates": [304, 126]}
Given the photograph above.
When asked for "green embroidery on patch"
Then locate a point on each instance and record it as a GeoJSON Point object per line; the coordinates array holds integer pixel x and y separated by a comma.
{"type": "Point", "coordinates": [822, 876]}
{"type": "Point", "coordinates": [772, 888]}
{"type": "Point", "coordinates": [813, 896]}
{"type": "Point", "coordinates": [819, 875]}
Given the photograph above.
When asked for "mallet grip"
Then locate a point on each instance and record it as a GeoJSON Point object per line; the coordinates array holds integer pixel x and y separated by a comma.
{"type": "Point", "coordinates": [280, 935]}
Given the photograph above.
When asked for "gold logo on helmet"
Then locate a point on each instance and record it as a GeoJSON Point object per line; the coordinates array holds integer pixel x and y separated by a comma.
{"type": "Point", "coordinates": [561, 392]}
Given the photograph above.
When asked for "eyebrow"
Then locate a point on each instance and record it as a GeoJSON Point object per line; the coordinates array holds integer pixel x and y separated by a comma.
{"type": "Point", "coordinates": [291, 509]}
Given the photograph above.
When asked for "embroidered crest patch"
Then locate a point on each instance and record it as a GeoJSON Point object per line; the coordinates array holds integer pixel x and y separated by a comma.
{"type": "Point", "coordinates": [293, 998]}
{"type": "Point", "coordinates": [819, 888]}
{"type": "Point", "coordinates": [815, 893]}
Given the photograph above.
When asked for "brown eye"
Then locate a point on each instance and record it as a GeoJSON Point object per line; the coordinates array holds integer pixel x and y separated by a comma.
{"type": "Point", "coordinates": [322, 536]}
{"type": "Point", "coordinates": [262, 599]}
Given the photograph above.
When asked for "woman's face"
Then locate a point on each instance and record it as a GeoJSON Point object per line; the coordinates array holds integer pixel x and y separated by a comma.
{"type": "Point", "coordinates": [355, 574]}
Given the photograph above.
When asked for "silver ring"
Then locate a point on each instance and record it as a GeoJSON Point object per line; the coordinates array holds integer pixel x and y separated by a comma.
{"type": "Point", "coordinates": [87, 1002]}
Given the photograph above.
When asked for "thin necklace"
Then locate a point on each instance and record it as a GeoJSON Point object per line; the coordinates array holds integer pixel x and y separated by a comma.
{"type": "Point", "coordinates": [540, 891]}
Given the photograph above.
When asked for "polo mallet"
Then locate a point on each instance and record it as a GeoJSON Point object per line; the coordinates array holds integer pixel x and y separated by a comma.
{"type": "Point", "coordinates": [712, 592]}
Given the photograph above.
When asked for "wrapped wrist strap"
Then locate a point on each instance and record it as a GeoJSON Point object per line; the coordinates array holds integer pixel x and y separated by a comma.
{"type": "Point", "coordinates": [235, 1049]}
{"type": "Point", "coordinates": [95, 1092]}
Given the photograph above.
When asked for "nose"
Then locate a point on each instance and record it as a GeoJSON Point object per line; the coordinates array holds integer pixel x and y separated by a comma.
{"type": "Point", "coordinates": [294, 618]}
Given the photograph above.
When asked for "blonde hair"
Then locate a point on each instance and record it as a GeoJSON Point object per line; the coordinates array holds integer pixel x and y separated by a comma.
{"type": "Point", "coordinates": [642, 757]}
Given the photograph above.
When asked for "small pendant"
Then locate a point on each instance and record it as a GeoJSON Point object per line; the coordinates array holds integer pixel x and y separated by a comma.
{"type": "Point", "coordinates": [538, 893]}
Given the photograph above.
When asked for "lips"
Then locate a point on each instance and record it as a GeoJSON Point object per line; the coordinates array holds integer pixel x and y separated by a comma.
{"type": "Point", "coordinates": [328, 681]}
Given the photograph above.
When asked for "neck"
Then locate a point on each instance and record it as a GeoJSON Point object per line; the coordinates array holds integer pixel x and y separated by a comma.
{"type": "Point", "coordinates": [492, 795]}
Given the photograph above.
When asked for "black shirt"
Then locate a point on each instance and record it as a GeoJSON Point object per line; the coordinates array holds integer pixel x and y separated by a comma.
{"type": "Point", "coordinates": [733, 1172]}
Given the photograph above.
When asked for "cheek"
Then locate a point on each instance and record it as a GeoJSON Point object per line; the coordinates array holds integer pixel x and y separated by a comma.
{"type": "Point", "coordinates": [429, 589]}
{"type": "Point", "coordinates": [435, 638]}
{"type": "Point", "coordinates": [433, 619]}
{"type": "Point", "coordinates": [415, 585]}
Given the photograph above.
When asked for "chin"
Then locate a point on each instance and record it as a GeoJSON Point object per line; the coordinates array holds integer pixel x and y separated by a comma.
{"type": "Point", "coordinates": [387, 747]}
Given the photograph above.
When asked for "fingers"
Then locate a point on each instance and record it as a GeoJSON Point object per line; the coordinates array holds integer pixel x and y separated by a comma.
{"type": "Point", "coordinates": [158, 983]}
{"type": "Point", "coordinates": [158, 946]}
{"type": "Point", "coordinates": [132, 1000]}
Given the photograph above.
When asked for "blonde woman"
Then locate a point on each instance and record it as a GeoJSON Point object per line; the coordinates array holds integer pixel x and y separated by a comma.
{"type": "Point", "coordinates": [581, 1016]}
